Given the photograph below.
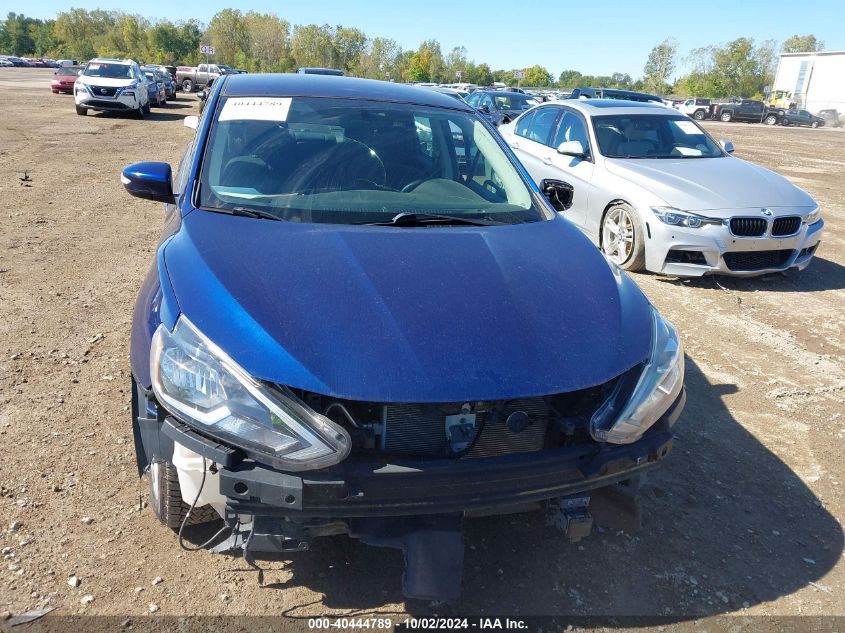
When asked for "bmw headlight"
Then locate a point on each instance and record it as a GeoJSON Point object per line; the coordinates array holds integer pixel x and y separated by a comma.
{"type": "Point", "coordinates": [202, 386]}
{"type": "Point", "coordinates": [638, 401]}
{"type": "Point", "coordinates": [676, 217]}
{"type": "Point", "coordinates": [814, 216]}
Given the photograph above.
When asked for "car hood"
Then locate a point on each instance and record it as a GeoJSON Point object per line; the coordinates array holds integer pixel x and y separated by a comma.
{"type": "Point", "coordinates": [711, 184]}
{"type": "Point", "coordinates": [445, 314]}
{"type": "Point", "coordinates": [108, 82]}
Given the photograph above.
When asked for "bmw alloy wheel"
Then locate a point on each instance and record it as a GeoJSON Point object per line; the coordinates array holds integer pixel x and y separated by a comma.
{"type": "Point", "coordinates": [618, 235]}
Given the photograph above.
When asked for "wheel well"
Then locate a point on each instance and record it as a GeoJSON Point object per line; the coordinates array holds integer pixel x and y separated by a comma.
{"type": "Point", "coordinates": [604, 213]}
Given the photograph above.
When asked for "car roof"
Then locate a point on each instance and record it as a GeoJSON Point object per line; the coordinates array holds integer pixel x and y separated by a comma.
{"type": "Point", "coordinates": [300, 85]}
{"type": "Point", "coordinates": [503, 92]}
{"type": "Point", "coordinates": [598, 107]}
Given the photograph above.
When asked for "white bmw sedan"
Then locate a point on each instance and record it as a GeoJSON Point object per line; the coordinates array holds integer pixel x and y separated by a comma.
{"type": "Point", "coordinates": [654, 191]}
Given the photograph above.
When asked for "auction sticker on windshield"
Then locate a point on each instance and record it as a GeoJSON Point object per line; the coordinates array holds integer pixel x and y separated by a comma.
{"type": "Point", "coordinates": [687, 127]}
{"type": "Point", "coordinates": [255, 109]}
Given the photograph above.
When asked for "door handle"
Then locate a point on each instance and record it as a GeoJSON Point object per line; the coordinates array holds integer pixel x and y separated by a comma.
{"type": "Point", "coordinates": [547, 161]}
{"type": "Point", "coordinates": [515, 145]}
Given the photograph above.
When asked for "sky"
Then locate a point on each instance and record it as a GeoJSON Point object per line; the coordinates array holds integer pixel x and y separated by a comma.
{"type": "Point", "coordinates": [597, 37]}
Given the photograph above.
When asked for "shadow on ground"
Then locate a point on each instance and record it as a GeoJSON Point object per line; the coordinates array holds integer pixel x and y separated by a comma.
{"type": "Point", "coordinates": [726, 524]}
{"type": "Point", "coordinates": [820, 275]}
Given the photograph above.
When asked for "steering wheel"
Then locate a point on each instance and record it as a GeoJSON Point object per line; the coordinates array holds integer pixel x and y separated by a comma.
{"type": "Point", "coordinates": [412, 185]}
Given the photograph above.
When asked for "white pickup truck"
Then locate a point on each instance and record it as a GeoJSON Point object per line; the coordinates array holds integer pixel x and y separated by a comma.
{"type": "Point", "coordinates": [697, 108]}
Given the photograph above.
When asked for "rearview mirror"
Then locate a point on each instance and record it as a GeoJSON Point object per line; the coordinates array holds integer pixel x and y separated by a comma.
{"type": "Point", "coordinates": [727, 146]}
{"type": "Point", "coordinates": [572, 148]}
{"type": "Point", "coordinates": [559, 193]}
{"type": "Point", "coordinates": [150, 181]}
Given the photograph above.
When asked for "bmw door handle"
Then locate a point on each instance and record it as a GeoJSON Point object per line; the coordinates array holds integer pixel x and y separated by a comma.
{"type": "Point", "coordinates": [547, 160]}
{"type": "Point", "coordinates": [515, 145]}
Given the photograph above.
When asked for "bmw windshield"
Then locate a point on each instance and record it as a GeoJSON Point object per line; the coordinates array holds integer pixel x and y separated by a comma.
{"type": "Point", "coordinates": [348, 161]}
{"type": "Point", "coordinates": [653, 136]}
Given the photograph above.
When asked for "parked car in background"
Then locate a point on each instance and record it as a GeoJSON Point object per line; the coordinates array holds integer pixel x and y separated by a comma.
{"type": "Point", "coordinates": [448, 91]}
{"type": "Point", "coordinates": [697, 108]}
{"type": "Point", "coordinates": [5, 63]}
{"type": "Point", "coordinates": [64, 78]}
{"type": "Point", "coordinates": [613, 93]}
{"type": "Point", "coordinates": [501, 364]}
{"type": "Point", "coordinates": [228, 70]}
{"type": "Point", "coordinates": [189, 78]}
{"type": "Point", "coordinates": [112, 85]}
{"type": "Point", "coordinates": [16, 61]}
{"type": "Point", "coordinates": [500, 106]}
{"type": "Point", "coordinates": [654, 191]}
{"type": "Point", "coordinates": [34, 62]}
{"type": "Point", "coordinates": [802, 117]}
{"type": "Point", "coordinates": [747, 110]}
{"type": "Point", "coordinates": [155, 87]}
{"type": "Point", "coordinates": [168, 86]}
{"type": "Point", "coordinates": [67, 62]}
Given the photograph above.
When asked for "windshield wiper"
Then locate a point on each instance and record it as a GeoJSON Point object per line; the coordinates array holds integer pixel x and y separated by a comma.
{"type": "Point", "coordinates": [428, 219]}
{"type": "Point", "coordinates": [253, 213]}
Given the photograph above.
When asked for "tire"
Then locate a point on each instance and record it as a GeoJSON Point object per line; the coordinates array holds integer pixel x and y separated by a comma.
{"type": "Point", "coordinates": [699, 115]}
{"type": "Point", "coordinates": [725, 117]}
{"type": "Point", "coordinates": [139, 113]}
{"type": "Point", "coordinates": [187, 85]}
{"type": "Point", "coordinates": [771, 119]}
{"type": "Point", "coordinates": [166, 499]}
{"type": "Point", "coordinates": [628, 251]}
{"type": "Point", "coordinates": [785, 123]}
{"type": "Point", "coordinates": [147, 107]}
{"type": "Point", "coordinates": [81, 111]}
{"type": "Point", "coordinates": [814, 124]}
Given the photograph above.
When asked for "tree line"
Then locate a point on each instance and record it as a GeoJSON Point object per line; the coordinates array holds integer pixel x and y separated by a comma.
{"type": "Point", "coordinates": [264, 42]}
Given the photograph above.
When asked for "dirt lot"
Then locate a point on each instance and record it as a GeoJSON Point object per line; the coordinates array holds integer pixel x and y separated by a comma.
{"type": "Point", "coordinates": [743, 518]}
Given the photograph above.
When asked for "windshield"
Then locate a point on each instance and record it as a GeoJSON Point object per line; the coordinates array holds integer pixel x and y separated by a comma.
{"type": "Point", "coordinates": [67, 71]}
{"type": "Point", "coordinates": [514, 101]}
{"type": "Point", "coordinates": [348, 161]}
{"type": "Point", "coordinates": [111, 71]}
{"type": "Point", "coordinates": [653, 136]}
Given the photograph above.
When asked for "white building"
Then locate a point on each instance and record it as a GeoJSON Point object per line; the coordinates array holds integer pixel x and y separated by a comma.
{"type": "Point", "coordinates": [813, 81]}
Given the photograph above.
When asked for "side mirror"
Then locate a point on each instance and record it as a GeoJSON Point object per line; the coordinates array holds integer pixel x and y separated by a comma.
{"type": "Point", "coordinates": [572, 148]}
{"type": "Point", "coordinates": [559, 193]}
{"type": "Point", "coordinates": [203, 95]}
{"type": "Point", "coordinates": [150, 181]}
{"type": "Point", "coordinates": [192, 121]}
{"type": "Point", "coordinates": [728, 146]}
{"type": "Point", "coordinates": [484, 108]}
{"type": "Point", "coordinates": [79, 72]}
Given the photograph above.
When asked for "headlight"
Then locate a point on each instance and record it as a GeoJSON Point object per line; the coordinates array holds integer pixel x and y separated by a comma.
{"type": "Point", "coordinates": [814, 216]}
{"type": "Point", "coordinates": [676, 217]}
{"type": "Point", "coordinates": [202, 386]}
{"type": "Point", "coordinates": [630, 411]}
{"type": "Point", "coordinates": [80, 87]}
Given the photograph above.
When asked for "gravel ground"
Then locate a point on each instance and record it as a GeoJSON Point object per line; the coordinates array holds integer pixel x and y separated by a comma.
{"type": "Point", "coordinates": [744, 517]}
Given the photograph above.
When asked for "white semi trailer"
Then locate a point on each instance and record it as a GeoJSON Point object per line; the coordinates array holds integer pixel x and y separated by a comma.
{"type": "Point", "coordinates": [812, 81]}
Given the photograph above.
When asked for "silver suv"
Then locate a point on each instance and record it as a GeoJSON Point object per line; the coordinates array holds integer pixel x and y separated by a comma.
{"type": "Point", "coordinates": [112, 85]}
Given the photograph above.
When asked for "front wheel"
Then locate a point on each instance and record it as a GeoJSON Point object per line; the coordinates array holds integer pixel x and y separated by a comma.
{"type": "Point", "coordinates": [814, 124]}
{"type": "Point", "coordinates": [771, 119]}
{"type": "Point", "coordinates": [622, 237]}
{"type": "Point", "coordinates": [166, 498]}
{"type": "Point", "coordinates": [81, 111]}
{"type": "Point", "coordinates": [187, 85]}
{"type": "Point", "coordinates": [698, 115]}
{"type": "Point", "coordinates": [726, 117]}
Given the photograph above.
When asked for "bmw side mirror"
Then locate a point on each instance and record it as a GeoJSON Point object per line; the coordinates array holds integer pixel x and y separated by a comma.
{"type": "Point", "coordinates": [559, 193]}
{"type": "Point", "coordinates": [728, 146]}
{"type": "Point", "coordinates": [572, 148]}
{"type": "Point", "coordinates": [484, 108]}
{"type": "Point", "coordinates": [150, 181]}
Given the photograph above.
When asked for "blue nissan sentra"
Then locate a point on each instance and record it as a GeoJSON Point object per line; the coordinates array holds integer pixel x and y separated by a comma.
{"type": "Point", "coordinates": [363, 318]}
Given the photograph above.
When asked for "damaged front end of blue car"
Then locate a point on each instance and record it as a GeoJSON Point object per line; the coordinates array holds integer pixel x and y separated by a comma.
{"type": "Point", "coordinates": [364, 319]}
